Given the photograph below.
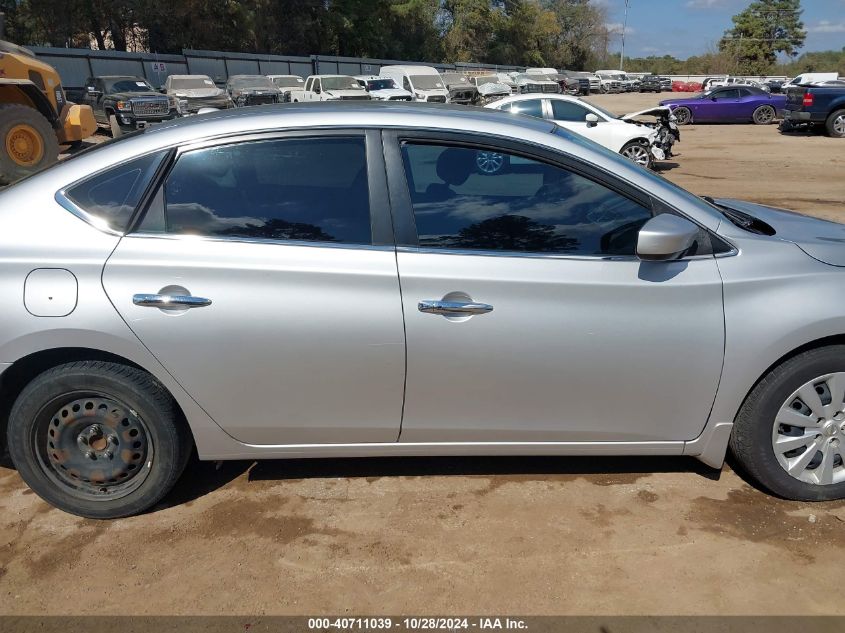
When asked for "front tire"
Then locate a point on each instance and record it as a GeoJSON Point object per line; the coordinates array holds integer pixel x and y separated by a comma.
{"type": "Point", "coordinates": [764, 115]}
{"type": "Point", "coordinates": [683, 116]}
{"type": "Point", "coordinates": [835, 124]}
{"type": "Point", "coordinates": [98, 439]}
{"type": "Point", "coordinates": [790, 432]}
{"type": "Point", "coordinates": [114, 126]}
{"type": "Point", "coordinates": [639, 153]}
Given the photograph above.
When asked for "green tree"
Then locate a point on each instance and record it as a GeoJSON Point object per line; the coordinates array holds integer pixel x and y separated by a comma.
{"type": "Point", "coordinates": [760, 32]}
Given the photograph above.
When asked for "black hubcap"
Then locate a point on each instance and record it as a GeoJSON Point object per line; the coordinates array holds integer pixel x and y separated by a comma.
{"type": "Point", "coordinates": [94, 446]}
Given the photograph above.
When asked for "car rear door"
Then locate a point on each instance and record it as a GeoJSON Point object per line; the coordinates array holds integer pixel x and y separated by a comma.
{"type": "Point", "coordinates": [528, 316]}
{"type": "Point", "coordinates": [263, 277]}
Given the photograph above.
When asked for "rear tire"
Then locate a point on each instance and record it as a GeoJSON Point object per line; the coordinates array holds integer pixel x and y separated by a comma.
{"type": "Point", "coordinates": [758, 426]}
{"type": "Point", "coordinates": [27, 142]}
{"type": "Point", "coordinates": [764, 115]}
{"type": "Point", "coordinates": [98, 439]}
{"type": "Point", "coordinates": [835, 124]}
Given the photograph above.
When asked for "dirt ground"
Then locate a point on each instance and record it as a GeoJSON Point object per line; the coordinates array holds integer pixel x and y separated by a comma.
{"type": "Point", "coordinates": [473, 536]}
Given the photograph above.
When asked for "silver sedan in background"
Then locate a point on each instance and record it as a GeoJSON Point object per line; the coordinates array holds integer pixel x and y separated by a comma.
{"type": "Point", "coordinates": [331, 280]}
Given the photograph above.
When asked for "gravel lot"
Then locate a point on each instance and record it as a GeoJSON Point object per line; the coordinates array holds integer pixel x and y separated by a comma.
{"type": "Point", "coordinates": [481, 536]}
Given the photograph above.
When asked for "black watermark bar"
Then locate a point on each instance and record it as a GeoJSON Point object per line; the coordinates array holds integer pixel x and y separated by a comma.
{"type": "Point", "coordinates": [535, 624]}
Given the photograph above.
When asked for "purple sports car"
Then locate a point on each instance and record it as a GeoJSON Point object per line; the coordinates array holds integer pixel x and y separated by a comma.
{"type": "Point", "coordinates": [728, 104]}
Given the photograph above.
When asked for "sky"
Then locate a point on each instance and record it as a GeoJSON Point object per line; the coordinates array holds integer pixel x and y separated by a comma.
{"type": "Point", "coordinates": [690, 27]}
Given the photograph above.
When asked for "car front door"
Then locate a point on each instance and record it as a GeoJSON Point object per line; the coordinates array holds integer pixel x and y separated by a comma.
{"type": "Point", "coordinates": [726, 106]}
{"type": "Point", "coordinates": [95, 91]}
{"type": "Point", "coordinates": [746, 104]}
{"type": "Point", "coordinates": [573, 116]}
{"type": "Point", "coordinates": [263, 277]}
{"type": "Point", "coordinates": [528, 316]}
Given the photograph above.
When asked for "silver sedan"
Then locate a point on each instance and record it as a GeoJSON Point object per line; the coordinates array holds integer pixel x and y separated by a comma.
{"type": "Point", "coordinates": [335, 280]}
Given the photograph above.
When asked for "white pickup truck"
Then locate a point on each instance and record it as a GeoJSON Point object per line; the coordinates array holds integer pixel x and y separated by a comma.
{"type": "Point", "coordinates": [330, 88]}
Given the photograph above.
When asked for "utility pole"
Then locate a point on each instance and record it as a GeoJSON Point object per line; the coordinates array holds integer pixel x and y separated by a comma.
{"type": "Point", "coordinates": [624, 26]}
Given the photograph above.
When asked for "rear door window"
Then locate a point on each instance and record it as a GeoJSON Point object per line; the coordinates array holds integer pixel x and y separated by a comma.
{"type": "Point", "coordinates": [112, 196]}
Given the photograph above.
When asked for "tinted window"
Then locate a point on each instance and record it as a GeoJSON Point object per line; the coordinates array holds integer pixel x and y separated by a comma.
{"type": "Point", "coordinates": [112, 195]}
{"type": "Point", "coordinates": [286, 189]}
{"type": "Point", "coordinates": [733, 93]}
{"type": "Point", "coordinates": [531, 107]}
{"type": "Point", "coordinates": [524, 205]}
{"type": "Point", "coordinates": [567, 111]}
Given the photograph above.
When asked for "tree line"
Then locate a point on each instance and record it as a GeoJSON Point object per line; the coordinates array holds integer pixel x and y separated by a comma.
{"type": "Point", "coordinates": [559, 33]}
{"type": "Point", "coordinates": [571, 34]}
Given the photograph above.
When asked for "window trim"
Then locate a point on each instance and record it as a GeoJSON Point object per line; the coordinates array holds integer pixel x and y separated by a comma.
{"type": "Point", "coordinates": [402, 208]}
{"type": "Point", "coordinates": [381, 228]}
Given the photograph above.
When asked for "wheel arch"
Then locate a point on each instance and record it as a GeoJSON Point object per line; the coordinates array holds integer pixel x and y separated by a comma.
{"type": "Point", "coordinates": [25, 369]}
{"type": "Point", "coordinates": [711, 446]}
{"type": "Point", "coordinates": [826, 341]}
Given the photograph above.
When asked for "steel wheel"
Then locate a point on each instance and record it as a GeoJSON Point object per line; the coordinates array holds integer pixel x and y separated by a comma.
{"type": "Point", "coordinates": [682, 115]}
{"type": "Point", "coordinates": [637, 153]}
{"type": "Point", "coordinates": [764, 115]}
{"type": "Point", "coordinates": [93, 446]}
{"type": "Point", "coordinates": [25, 145]}
{"type": "Point", "coordinates": [489, 162]}
{"type": "Point", "coordinates": [809, 431]}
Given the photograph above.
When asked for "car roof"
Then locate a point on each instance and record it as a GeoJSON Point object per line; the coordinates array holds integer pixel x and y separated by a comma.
{"type": "Point", "coordinates": [187, 76]}
{"type": "Point", "coordinates": [543, 95]}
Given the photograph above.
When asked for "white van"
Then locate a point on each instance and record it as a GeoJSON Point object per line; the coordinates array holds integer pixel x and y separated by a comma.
{"type": "Point", "coordinates": [424, 82]}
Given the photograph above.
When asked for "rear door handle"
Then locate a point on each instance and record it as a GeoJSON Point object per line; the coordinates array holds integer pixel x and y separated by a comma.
{"type": "Point", "coordinates": [170, 301]}
{"type": "Point", "coordinates": [453, 308]}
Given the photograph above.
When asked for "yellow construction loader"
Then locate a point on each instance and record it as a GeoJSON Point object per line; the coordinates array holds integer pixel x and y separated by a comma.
{"type": "Point", "coordinates": [35, 117]}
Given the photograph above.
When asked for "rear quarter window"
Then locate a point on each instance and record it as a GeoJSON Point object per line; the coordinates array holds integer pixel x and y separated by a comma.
{"type": "Point", "coordinates": [112, 196]}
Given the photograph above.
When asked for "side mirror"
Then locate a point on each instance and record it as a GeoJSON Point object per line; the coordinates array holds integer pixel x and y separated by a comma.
{"type": "Point", "coordinates": [591, 119]}
{"type": "Point", "coordinates": [665, 237]}
{"type": "Point", "coordinates": [317, 90]}
{"type": "Point", "coordinates": [713, 98]}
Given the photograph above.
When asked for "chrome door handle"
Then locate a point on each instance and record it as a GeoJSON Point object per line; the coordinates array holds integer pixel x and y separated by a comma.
{"type": "Point", "coordinates": [451, 308]}
{"type": "Point", "coordinates": [170, 301]}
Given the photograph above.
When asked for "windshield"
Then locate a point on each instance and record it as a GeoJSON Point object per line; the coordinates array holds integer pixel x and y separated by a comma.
{"type": "Point", "coordinates": [487, 79]}
{"type": "Point", "coordinates": [381, 84]}
{"type": "Point", "coordinates": [192, 83]}
{"type": "Point", "coordinates": [341, 83]}
{"type": "Point", "coordinates": [287, 82]}
{"type": "Point", "coordinates": [427, 82]}
{"type": "Point", "coordinates": [609, 115]}
{"type": "Point", "coordinates": [454, 78]}
{"type": "Point", "coordinates": [250, 81]}
{"type": "Point", "coordinates": [130, 84]}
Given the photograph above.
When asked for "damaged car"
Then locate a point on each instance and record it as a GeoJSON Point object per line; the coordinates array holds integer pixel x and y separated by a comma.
{"type": "Point", "coordinates": [527, 83]}
{"type": "Point", "coordinates": [383, 88]}
{"type": "Point", "coordinates": [461, 90]}
{"type": "Point", "coordinates": [663, 122]}
{"type": "Point", "coordinates": [248, 90]}
{"type": "Point", "coordinates": [490, 88]}
{"type": "Point", "coordinates": [195, 92]}
{"type": "Point", "coordinates": [633, 141]}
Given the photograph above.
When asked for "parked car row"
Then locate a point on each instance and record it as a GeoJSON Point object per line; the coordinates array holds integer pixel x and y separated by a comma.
{"type": "Point", "coordinates": [126, 103]}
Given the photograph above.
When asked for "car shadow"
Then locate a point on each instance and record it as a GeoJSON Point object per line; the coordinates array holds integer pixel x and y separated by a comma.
{"type": "Point", "coordinates": [660, 166]}
{"type": "Point", "coordinates": [202, 478]}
